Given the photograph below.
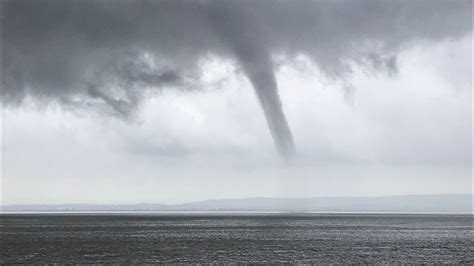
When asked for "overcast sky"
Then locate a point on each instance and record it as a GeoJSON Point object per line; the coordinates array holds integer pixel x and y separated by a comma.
{"type": "Point", "coordinates": [165, 102]}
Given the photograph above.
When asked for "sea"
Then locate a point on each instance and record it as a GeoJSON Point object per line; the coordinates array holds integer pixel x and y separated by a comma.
{"type": "Point", "coordinates": [267, 238]}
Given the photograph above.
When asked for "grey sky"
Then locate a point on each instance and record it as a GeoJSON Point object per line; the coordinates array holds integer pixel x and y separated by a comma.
{"type": "Point", "coordinates": [153, 101]}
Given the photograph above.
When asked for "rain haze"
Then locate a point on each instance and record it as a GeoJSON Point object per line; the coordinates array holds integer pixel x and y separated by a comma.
{"type": "Point", "coordinates": [179, 101]}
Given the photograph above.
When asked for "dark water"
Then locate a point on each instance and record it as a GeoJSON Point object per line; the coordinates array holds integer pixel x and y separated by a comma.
{"type": "Point", "coordinates": [275, 238]}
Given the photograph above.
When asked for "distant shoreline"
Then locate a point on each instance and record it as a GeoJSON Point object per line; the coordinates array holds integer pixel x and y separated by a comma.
{"type": "Point", "coordinates": [453, 203]}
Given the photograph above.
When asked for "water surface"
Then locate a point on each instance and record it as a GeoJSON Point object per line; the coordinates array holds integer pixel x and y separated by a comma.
{"type": "Point", "coordinates": [270, 238]}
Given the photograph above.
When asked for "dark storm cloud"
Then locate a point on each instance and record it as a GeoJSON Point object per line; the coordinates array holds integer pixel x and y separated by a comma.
{"type": "Point", "coordinates": [110, 53]}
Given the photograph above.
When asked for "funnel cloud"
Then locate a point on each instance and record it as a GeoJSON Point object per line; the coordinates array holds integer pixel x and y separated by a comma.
{"type": "Point", "coordinates": [257, 65]}
{"type": "Point", "coordinates": [110, 55]}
